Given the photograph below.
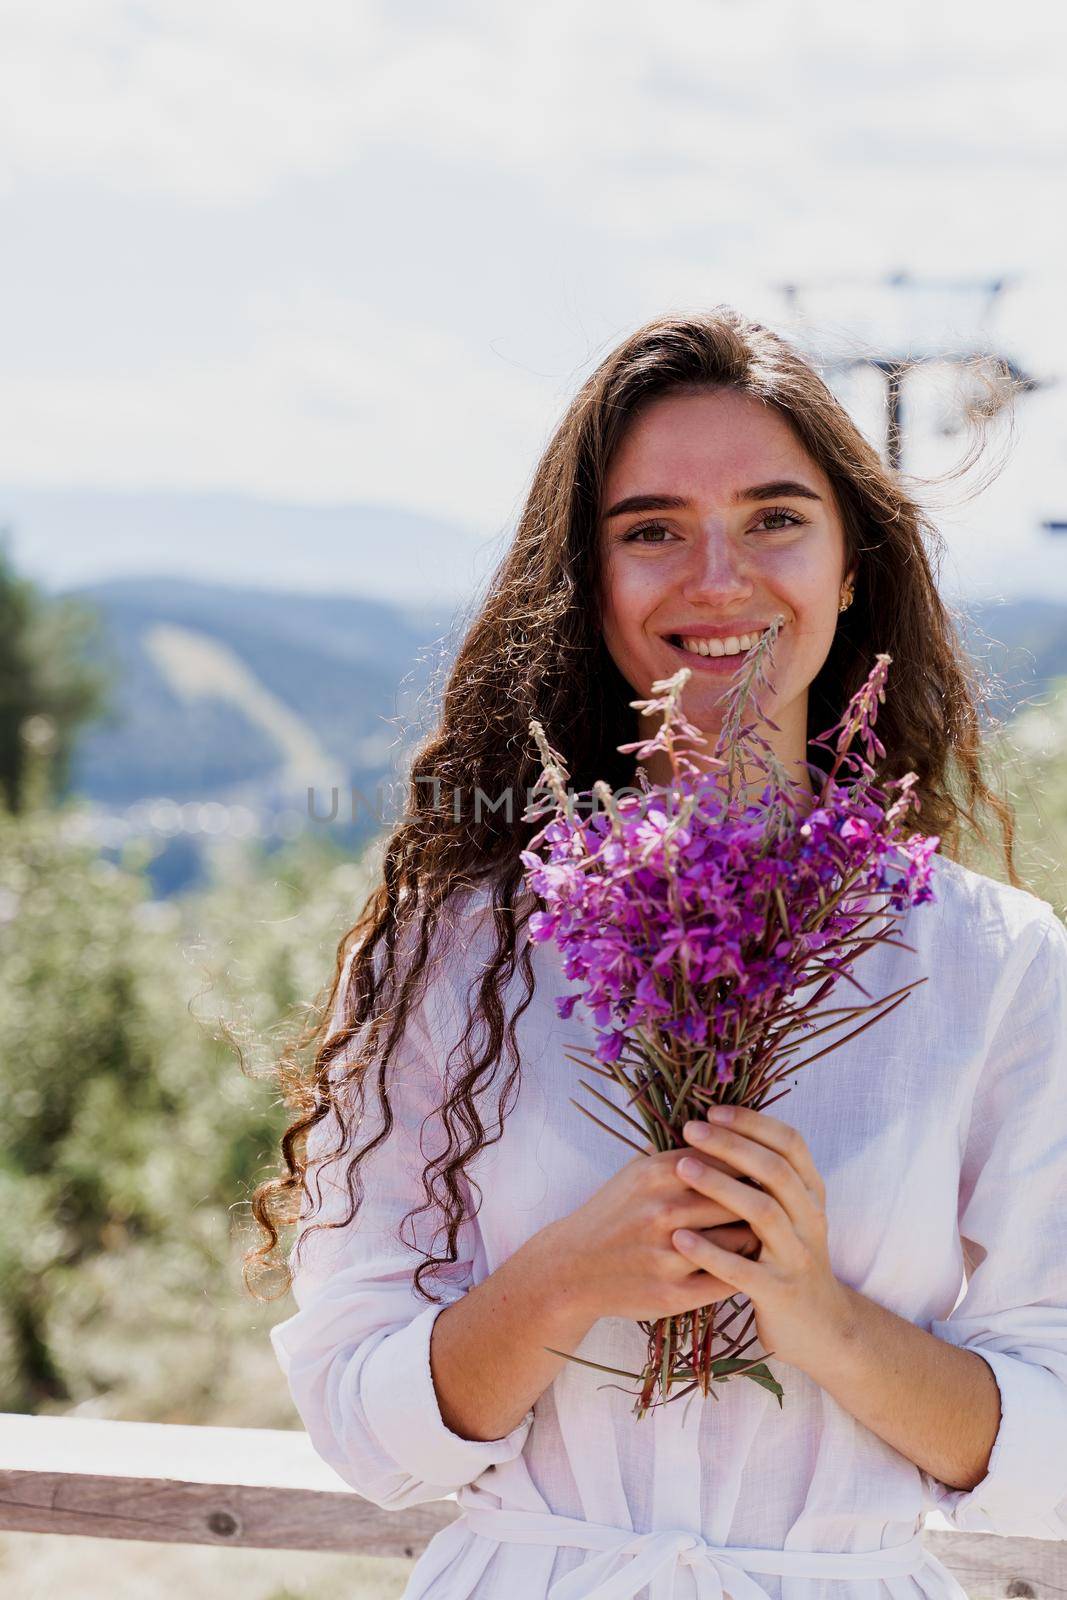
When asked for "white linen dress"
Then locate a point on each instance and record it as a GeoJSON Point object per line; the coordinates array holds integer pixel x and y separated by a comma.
{"type": "Point", "coordinates": [941, 1134]}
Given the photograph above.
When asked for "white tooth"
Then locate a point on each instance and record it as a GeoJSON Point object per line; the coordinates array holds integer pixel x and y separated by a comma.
{"type": "Point", "coordinates": [716, 647]}
{"type": "Point", "coordinates": [745, 641]}
{"type": "Point", "coordinates": [733, 644]}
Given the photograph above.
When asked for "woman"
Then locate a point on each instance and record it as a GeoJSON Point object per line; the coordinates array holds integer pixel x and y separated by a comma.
{"type": "Point", "coordinates": [703, 481]}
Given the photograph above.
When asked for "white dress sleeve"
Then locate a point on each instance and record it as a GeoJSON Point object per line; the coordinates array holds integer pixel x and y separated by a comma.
{"type": "Point", "coordinates": [1013, 1223]}
{"type": "Point", "coordinates": [356, 1354]}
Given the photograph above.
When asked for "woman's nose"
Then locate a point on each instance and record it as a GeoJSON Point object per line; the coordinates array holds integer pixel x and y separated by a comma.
{"type": "Point", "coordinates": [714, 572]}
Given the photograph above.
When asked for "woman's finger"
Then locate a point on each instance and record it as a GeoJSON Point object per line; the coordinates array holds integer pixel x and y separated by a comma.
{"type": "Point", "coordinates": [759, 1162]}
{"type": "Point", "coordinates": [708, 1216]}
{"type": "Point", "coordinates": [765, 1215]}
{"type": "Point", "coordinates": [736, 1271]}
{"type": "Point", "coordinates": [776, 1135]}
{"type": "Point", "coordinates": [737, 1237]}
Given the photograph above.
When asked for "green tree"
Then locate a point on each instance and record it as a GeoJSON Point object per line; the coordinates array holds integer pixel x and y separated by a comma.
{"type": "Point", "coordinates": [130, 1138]}
{"type": "Point", "coordinates": [49, 687]}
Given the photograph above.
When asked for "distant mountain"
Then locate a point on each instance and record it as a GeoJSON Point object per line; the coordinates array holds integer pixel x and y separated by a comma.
{"type": "Point", "coordinates": [251, 695]}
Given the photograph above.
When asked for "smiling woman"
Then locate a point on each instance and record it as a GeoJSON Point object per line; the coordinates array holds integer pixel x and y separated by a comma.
{"type": "Point", "coordinates": [703, 482]}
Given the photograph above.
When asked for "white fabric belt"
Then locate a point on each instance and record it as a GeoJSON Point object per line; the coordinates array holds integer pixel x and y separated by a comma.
{"type": "Point", "coordinates": [718, 1570]}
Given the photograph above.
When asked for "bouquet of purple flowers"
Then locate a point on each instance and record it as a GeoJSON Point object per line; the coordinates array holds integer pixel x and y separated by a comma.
{"type": "Point", "coordinates": [692, 915]}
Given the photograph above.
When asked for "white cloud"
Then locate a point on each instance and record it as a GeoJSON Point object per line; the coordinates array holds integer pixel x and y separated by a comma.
{"type": "Point", "coordinates": [219, 101]}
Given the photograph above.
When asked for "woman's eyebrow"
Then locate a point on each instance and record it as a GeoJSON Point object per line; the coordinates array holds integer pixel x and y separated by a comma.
{"type": "Point", "coordinates": [673, 502]}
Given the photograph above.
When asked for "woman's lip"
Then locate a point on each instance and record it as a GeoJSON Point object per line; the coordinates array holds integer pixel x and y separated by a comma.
{"type": "Point", "coordinates": [704, 630]}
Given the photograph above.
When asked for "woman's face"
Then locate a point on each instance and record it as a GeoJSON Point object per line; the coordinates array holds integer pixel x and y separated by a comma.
{"type": "Point", "coordinates": [751, 531]}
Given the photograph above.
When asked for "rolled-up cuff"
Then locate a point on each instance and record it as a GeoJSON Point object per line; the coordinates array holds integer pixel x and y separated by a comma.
{"type": "Point", "coordinates": [1024, 1491]}
{"type": "Point", "coordinates": [401, 1406]}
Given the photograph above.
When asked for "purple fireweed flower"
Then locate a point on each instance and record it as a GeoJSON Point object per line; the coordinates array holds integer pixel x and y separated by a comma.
{"type": "Point", "coordinates": [690, 915]}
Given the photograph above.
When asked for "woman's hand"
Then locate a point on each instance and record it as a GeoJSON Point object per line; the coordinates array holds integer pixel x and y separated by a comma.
{"type": "Point", "coordinates": [615, 1254]}
{"type": "Point", "coordinates": [797, 1299]}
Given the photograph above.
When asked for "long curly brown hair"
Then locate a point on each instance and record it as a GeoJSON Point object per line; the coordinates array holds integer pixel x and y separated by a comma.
{"type": "Point", "coordinates": [534, 649]}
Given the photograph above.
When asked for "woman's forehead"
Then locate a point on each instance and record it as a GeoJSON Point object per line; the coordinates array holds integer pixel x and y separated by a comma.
{"type": "Point", "coordinates": [710, 443]}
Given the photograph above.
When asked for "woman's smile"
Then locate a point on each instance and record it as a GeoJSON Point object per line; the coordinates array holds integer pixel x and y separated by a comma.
{"type": "Point", "coordinates": [719, 652]}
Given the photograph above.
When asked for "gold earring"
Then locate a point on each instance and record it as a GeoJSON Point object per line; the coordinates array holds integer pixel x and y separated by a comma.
{"type": "Point", "coordinates": [849, 596]}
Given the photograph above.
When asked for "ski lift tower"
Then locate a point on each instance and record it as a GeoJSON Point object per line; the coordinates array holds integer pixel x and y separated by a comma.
{"type": "Point", "coordinates": [898, 322]}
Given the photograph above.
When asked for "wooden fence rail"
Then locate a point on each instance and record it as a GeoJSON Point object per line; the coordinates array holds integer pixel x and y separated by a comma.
{"type": "Point", "coordinates": [266, 1489]}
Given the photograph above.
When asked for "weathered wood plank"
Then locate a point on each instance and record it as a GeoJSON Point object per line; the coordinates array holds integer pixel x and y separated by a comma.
{"type": "Point", "coordinates": [169, 1511]}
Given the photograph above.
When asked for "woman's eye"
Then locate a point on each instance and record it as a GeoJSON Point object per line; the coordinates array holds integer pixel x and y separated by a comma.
{"type": "Point", "coordinates": [793, 519]}
{"type": "Point", "coordinates": [634, 535]}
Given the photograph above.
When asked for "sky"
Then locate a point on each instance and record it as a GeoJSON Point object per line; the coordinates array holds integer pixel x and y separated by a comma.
{"type": "Point", "coordinates": [349, 252]}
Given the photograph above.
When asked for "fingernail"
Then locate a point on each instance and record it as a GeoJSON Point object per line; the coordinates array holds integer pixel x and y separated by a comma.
{"type": "Point", "coordinates": [720, 1113]}
{"type": "Point", "coordinates": [695, 1130]}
